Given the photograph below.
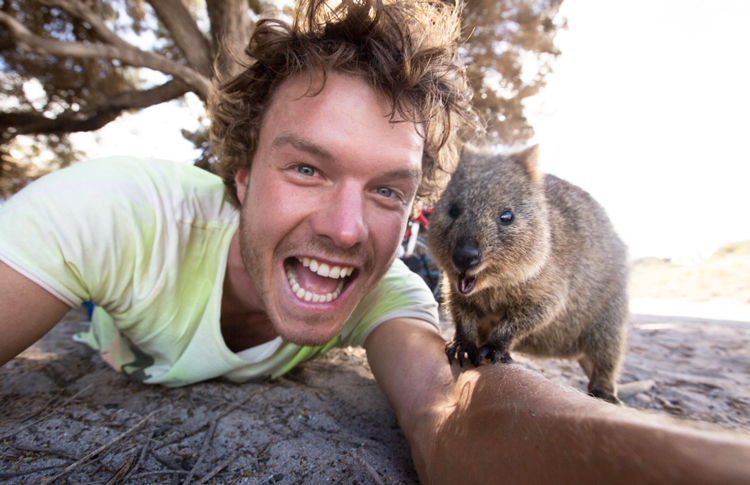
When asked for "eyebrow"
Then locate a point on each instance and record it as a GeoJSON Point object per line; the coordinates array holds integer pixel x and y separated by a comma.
{"type": "Point", "coordinates": [299, 143]}
{"type": "Point", "coordinates": [289, 138]}
{"type": "Point", "coordinates": [404, 173]}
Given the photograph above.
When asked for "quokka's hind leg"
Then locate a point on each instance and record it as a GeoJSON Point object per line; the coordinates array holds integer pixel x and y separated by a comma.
{"type": "Point", "coordinates": [602, 371]}
{"type": "Point", "coordinates": [587, 365]}
{"type": "Point", "coordinates": [604, 350]}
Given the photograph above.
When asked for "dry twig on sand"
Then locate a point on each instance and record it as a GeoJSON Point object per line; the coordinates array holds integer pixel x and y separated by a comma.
{"type": "Point", "coordinates": [63, 404]}
{"type": "Point", "coordinates": [206, 422]}
{"type": "Point", "coordinates": [210, 434]}
{"type": "Point", "coordinates": [359, 456]}
{"type": "Point", "coordinates": [6, 476]}
{"type": "Point", "coordinates": [204, 450]}
{"type": "Point", "coordinates": [120, 472]}
{"type": "Point", "coordinates": [218, 468]}
{"type": "Point", "coordinates": [102, 448]}
{"type": "Point", "coordinates": [141, 457]}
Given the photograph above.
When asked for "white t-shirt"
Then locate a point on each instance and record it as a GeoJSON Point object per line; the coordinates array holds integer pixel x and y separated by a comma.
{"type": "Point", "coordinates": [147, 243]}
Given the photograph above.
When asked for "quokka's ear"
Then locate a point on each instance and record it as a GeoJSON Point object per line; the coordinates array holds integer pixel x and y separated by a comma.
{"type": "Point", "coordinates": [530, 159]}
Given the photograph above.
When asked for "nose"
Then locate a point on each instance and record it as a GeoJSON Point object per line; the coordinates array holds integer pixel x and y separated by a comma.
{"type": "Point", "coordinates": [342, 216]}
{"type": "Point", "coordinates": [466, 254]}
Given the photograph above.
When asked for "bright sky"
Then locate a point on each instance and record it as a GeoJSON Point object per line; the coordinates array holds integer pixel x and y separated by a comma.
{"type": "Point", "coordinates": [647, 110]}
{"type": "Point", "coordinates": [150, 133]}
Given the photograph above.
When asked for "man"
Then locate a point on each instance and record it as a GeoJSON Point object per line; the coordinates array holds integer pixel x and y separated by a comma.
{"type": "Point", "coordinates": [323, 142]}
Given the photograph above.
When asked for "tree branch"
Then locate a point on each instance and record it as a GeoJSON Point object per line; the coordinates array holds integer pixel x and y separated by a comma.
{"type": "Point", "coordinates": [81, 11]}
{"type": "Point", "coordinates": [191, 41]}
{"type": "Point", "coordinates": [94, 117]}
{"type": "Point", "coordinates": [230, 31]}
{"type": "Point", "coordinates": [29, 42]}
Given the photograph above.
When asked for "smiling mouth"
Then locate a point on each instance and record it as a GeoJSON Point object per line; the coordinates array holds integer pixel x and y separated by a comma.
{"type": "Point", "coordinates": [313, 281]}
{"type": "Point", "coordinates": [466, 283]}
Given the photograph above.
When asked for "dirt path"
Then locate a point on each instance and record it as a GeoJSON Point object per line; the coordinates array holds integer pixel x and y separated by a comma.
{"type": "Point", "coordinates": [326, 423]}
{"type": "Point", "coordinates": [700, 368]}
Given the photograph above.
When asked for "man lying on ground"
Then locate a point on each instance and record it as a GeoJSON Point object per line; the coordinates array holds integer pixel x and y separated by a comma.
{"type": "Point", "coordinates": [323, 141]}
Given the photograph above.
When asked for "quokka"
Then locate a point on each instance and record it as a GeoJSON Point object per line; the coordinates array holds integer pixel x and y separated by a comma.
{"type": "Point", "coordinates": [531, 264]}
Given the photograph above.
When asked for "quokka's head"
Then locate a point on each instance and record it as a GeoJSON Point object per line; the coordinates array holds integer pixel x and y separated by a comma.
{"type": "Point", "coordinates": [490, 227]}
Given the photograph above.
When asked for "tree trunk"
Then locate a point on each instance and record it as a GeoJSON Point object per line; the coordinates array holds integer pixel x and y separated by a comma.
{"type": "Point", "coordinates": [185, 33]}
{"type": "Point", "coordinates": [230, 32]}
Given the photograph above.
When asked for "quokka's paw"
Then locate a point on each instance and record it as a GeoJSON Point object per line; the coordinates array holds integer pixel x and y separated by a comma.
{"type": "Point", "coordinates": [600, 393]}
{"type": "Point", "coordinates": [457, 349]}
{"type": "Point", "coordinates": [494, 354]}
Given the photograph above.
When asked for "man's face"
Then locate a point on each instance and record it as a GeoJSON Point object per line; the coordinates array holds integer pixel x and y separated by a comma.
{"type": "Point", "coordinates": [329, 193]}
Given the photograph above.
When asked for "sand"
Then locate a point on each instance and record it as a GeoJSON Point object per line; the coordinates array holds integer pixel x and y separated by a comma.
{"type": "Point", "coordinates": [64, 413]}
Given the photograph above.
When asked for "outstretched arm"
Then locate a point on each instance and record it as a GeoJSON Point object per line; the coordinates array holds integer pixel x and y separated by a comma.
{"type": "Point", "coordinates": [27, 312]}
{"type": "Point", "coordinates": [503, 423]}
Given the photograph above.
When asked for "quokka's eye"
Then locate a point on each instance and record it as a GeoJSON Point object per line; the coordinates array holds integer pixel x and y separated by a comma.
{"type": "Point", "coordinates": [454, 211]}
{"type": "Point", "coordinates": [506, 218]}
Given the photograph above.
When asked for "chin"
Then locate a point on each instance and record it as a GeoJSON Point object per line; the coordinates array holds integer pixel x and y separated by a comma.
{"type": "Point", "coordinates": [303, 323]}
{"type": "Point", "coordinates": [311, 337]}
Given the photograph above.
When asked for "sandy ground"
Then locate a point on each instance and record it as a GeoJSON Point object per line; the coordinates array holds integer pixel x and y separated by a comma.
{"type": "Point", "coordinates": [64, 413]}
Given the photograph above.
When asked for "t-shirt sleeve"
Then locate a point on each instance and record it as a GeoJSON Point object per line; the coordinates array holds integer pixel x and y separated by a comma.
{"type": "Point", "coordinates": [400, 294]}
{"type": "Point", "coordinates": [71, 230]}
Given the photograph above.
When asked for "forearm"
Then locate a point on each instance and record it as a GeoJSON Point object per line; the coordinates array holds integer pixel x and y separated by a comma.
{"type": "Point", "coordinates": [411, 380]}
{"type": "Point", "coordinates": [503, 422]}
{"type": "Point", "coordinates": [412, 370]}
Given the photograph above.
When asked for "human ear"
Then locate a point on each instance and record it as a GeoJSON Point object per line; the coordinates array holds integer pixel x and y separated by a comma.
{"type": "Point", "coordinates": [241, 178]}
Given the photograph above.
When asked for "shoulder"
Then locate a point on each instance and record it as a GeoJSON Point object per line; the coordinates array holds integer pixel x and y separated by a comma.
{"type": "Point", "coordinates": [124, 172]}
{"type": "Point", "coordinates": [400, 287]}
{"type": "Point", "coordinates": [401, 294]}
{"type": "Point", "coordinates": [127, 184]}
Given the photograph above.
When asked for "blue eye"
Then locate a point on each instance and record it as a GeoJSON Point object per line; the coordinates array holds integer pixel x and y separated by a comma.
{"type": "Point", "coordinates": [306, 170]}
{"type": "Point", "coordinates": [384, 191]}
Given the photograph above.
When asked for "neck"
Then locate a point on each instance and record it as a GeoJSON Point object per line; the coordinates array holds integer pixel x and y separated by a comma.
{"type": "Point", "coordinates": [244, 323]}
{"type": "Point", "coordinates": [239, 293]}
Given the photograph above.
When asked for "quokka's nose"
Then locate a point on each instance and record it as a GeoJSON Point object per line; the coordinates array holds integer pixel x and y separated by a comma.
{"type": "Point", "coordinates": [466, 254]}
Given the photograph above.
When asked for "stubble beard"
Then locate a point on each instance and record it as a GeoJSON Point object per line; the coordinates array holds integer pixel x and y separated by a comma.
{"type": "Point", "coordinates": [253, 260]}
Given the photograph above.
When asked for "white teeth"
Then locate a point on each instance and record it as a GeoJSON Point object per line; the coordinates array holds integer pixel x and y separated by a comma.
{"type": "Point", "coordinates": [323, 269]}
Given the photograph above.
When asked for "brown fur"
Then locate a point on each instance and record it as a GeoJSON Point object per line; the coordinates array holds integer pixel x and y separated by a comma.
{"type": "Point", "coordinates": [551, 282]}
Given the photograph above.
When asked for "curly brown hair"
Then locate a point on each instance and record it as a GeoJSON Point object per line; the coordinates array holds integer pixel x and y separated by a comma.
{"type": "Point", "coordinates": [404, 49]}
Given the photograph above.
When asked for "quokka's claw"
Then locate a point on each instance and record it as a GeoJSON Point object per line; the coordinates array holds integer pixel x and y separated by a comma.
{"type": "Point", "coordinates": [494, 355]}
{"type": "Point", "coordinates": [461, 351]}
{"type": "Point", "coordinates": [451, 350]}
{"type": "Point", "coordinates": [458, 350]}
{"type": "Point", "coordinates": [605, 396]}
{"type": "Point", "coordinates": [479, 355]}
